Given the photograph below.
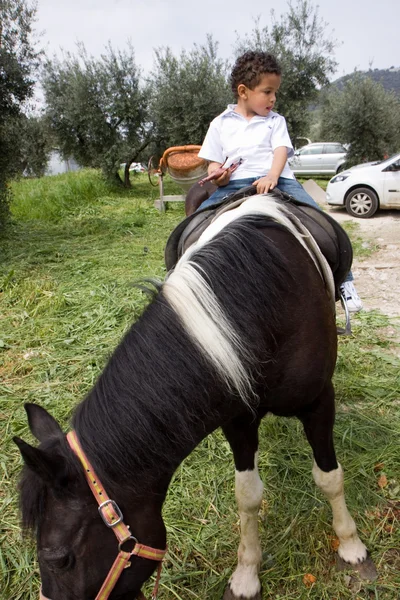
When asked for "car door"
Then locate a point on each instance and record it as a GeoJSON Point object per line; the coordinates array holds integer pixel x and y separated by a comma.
{"type": "Point", "coordinates": [332, 154]}
{"type": "Point", "coordinates": [308, 159]}
{"type": "Point", "coordinates": [391, 185]}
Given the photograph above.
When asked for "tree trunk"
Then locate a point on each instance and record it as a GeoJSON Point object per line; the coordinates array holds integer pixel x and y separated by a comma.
{"type": "Point", "coordinates": [117, 179]}
{"type": "Point", "coordinates": [127, 181]}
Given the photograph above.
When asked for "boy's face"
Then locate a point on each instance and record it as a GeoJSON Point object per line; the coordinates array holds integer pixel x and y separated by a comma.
{"type": "Point", "coordinates": [260, 100]}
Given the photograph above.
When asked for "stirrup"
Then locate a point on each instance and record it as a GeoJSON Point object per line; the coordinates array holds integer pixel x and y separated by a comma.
{"type": "Point", "coordinates": [347, 329]}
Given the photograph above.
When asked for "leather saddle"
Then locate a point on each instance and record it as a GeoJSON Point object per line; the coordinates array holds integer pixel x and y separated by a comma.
{"type": "Point", "coordinates": [331, 238]}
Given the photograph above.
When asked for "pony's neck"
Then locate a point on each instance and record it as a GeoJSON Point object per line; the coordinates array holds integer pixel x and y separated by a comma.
{"type": "Point", "coordinates": [154, 402]}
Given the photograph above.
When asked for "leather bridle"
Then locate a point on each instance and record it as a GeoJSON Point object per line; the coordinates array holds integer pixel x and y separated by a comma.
{"type": "Point", "coordinates": [113, 518]}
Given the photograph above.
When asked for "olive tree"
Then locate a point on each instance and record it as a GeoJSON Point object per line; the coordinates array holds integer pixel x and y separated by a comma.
{"type": "Point", "coordinates": [97, 109]}
{"type": "Point", "coordinates": [19, 60]}
{"type": "Point", "coordinates": [35, 145]}
{"type": "Point", "coordinates": [187, 92]}
{"type": "Point", "coordinates": [363, 115]}
{"type": "Point", "coordinates": [300, 42]}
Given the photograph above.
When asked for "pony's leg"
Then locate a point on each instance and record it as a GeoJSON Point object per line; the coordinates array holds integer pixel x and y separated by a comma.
{"type": "Point", "coordinates": [328, 474]}
{"type": "Point", "coordinates": [243, 438]}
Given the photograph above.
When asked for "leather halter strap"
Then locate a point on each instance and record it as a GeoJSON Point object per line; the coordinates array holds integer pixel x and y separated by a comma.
{"type": "Point", "coordinates": [113, 518]}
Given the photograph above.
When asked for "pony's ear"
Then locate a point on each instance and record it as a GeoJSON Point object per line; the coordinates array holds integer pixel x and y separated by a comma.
{"type": "Point", "coordinates": [48, 465]}
{"type": "Point", "coordinates": [41, 423]}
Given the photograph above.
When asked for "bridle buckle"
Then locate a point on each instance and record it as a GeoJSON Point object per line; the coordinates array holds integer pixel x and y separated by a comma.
{"type": "Point", "coordinates": [112, 516]}
{"type": "Point", "coordinates": [111, 503]}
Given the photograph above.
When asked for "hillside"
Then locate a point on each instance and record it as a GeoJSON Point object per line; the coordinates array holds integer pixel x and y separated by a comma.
{"type": "Point", "coordinates": [389, 78]}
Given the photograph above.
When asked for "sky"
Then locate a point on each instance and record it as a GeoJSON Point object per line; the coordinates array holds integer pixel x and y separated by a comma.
{"type": "Point", "coordinates": [367, 31]}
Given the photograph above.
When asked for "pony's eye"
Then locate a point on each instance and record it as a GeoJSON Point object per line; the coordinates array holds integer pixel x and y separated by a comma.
{"type": "Point", "coordinates": [60, 563]}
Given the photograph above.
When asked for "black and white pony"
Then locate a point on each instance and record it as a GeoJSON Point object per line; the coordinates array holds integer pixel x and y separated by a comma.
{"type": "Point", "coordinates": [244, 325]}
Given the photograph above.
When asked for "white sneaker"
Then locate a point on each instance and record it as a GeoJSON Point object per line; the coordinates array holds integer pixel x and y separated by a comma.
{"type": "Point", "coordinates": [353, 300]}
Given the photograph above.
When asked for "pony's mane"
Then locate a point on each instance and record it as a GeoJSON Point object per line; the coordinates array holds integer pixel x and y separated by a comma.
{"type": "Point", "coordinates": [159, 395]}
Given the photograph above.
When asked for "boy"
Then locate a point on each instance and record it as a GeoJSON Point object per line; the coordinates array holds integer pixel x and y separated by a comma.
{"type": "Point", "coordinates": [252, 132]}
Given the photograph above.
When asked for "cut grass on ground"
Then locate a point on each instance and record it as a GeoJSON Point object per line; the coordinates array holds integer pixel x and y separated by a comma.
{"type": "Point", "coordinates": [67, 296]}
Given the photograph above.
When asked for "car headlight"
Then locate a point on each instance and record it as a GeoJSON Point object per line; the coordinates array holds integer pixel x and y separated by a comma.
{"type": "Point", "coordinates": [340, 177]}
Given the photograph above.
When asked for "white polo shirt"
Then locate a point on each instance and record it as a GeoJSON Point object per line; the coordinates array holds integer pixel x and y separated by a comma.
{"type": "Point", "coordinates": [231, 136]}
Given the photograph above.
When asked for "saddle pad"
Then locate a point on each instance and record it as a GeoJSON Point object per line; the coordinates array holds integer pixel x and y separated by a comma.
{"type": "Point", "coordinates": [331, 238]}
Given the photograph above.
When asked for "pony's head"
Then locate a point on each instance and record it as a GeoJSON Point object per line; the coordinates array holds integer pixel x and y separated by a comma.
{"type": "Point", "coordinates": [75, 549]}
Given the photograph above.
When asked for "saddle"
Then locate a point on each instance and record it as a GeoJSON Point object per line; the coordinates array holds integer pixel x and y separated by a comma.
{"type": "Point", "coordinates": [330, 237]}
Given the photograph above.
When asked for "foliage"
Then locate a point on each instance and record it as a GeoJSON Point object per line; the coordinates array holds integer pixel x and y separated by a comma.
{"type": "Point", "coordinates": [28, 144]}
{"type": "Point", "coordinates": [300, 43]}
{"type": "Point", "coordinates": [35, 146]}
{"type": "Point", "coordinates": [18, 61]}
{"type": "Point", "coordinates": [68, 297]}
{"type": "Point", "coordinates": [187, 92]}
{"type": "Point", "coordinates": [97, 108]}
{"type": "Point", "coordinates": [18, 56]}
{"type": "Point", "coordinates": [364, 116]}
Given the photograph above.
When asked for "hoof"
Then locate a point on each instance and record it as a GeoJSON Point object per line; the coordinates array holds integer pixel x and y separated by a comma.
{"type": "Point", "coordinates": [229, 595]}
{"type": "Point", "coordinates": [365, 570]}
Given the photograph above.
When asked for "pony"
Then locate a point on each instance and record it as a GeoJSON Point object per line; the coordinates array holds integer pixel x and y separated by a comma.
{"type": "Point", "coordinates": [244, 325]}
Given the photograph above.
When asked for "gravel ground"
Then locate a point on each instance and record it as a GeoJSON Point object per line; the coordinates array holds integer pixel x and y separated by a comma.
{"type": "Point", "coordinates": [377, 277]}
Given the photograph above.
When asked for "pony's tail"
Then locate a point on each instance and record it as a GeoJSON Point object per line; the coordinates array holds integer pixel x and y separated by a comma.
{"type": "Point", "coordinates": [204, 320]}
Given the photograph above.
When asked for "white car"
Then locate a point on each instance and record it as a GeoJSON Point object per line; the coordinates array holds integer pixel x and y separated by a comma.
{"type": "Point", "coordinates": [135, 167]}
{"type": "Point", "coordinates": [320, 158]}
{"type": "Point", "coordinates": [365, 188]}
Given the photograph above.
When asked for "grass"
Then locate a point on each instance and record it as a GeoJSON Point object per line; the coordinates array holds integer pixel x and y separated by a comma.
{"type": "Point", "coordinates": [67, 277]}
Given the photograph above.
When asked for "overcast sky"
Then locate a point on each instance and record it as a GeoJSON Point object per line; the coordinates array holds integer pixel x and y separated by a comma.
{"type": "Point", "coordinates": [368, 31]}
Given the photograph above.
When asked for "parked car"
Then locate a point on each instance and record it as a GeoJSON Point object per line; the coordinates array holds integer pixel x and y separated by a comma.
{"type": "Point", "coordinates": [320, 158]}
{"type": "Point", "coordinates": [135, 167]}
{"type": "Point", "coordinates": [365, 188]}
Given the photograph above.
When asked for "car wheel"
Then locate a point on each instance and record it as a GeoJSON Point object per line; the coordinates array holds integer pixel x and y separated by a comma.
{"type": "Point", "coordinates": [362, 203]}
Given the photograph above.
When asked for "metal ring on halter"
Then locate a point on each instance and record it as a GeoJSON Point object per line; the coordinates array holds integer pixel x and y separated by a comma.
{"type": "Point", "coordinates": [131, 537]}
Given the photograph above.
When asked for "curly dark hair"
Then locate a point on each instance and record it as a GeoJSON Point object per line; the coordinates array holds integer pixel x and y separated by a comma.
{"type": "Point", "coordinates": [250, 67]}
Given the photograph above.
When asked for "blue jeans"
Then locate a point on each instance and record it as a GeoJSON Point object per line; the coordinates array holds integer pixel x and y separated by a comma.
{"type": "Point", "coordinates": [290, 186]}
{"type": "Point", "coordinates": [285, 184]}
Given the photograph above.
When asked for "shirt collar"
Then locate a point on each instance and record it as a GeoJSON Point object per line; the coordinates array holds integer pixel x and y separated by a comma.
{"type": "Point", "coordinates": [230, 111]}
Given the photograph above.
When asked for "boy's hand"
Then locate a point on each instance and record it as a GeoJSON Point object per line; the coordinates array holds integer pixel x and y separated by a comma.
{"type": "Point", "coordinates": [265, 184]}
{"type": "Point", "coordinates": [217, 174]}
{"type": "Point", "coordinates": [222, 179]}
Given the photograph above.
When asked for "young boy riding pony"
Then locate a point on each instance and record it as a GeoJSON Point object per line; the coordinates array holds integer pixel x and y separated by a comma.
{"type": "Point", "coordinates": [252, 139]}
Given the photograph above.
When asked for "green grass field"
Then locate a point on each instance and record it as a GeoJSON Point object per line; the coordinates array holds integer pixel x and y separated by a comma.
{"type": "Point", "coordinates": [68, 268]}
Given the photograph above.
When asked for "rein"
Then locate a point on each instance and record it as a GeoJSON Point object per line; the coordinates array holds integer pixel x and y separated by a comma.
{"type": "Point", "coordinates": [113, 518]}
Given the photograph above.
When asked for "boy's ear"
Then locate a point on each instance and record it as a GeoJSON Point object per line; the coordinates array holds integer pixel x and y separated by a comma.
{"type": "Point", "coordinates": [242, 91]}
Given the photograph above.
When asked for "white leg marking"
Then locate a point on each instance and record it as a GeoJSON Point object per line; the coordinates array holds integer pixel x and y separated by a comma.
{"type": "Point", "coordinates": [249, 490]}
{"type": "Point", "coordinates": [351, 548]}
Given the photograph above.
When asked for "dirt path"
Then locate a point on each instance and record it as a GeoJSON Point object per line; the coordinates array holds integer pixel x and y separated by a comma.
{"type": "Point", "coordinates": [377, 277]}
